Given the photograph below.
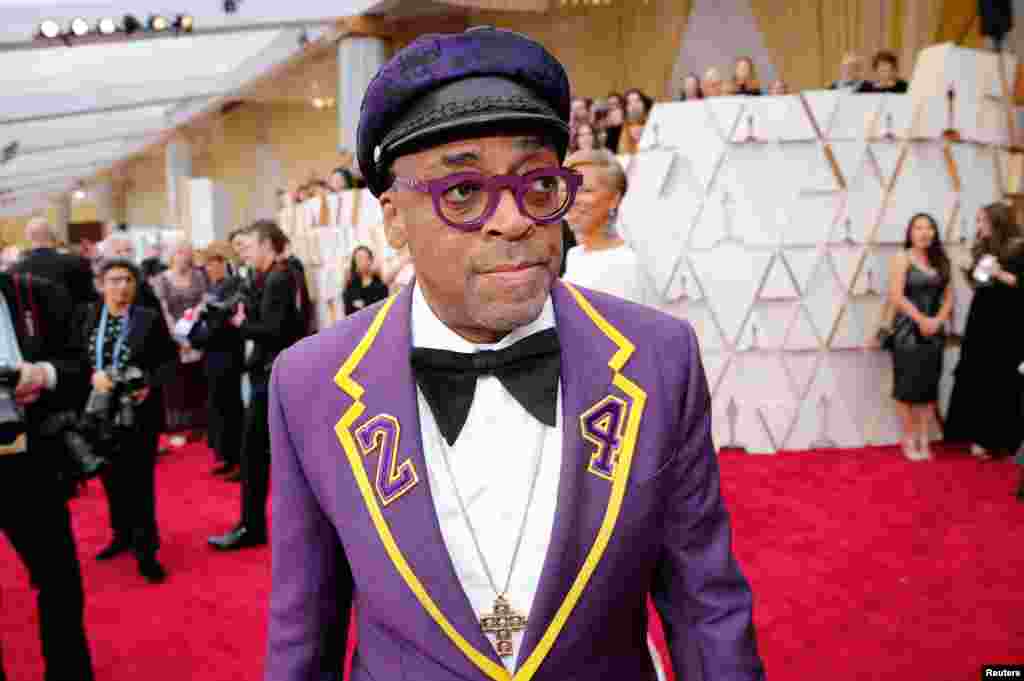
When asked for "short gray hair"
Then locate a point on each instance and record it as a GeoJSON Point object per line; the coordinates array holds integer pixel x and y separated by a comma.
{"type": "Point", "coordinates": [615, 176]}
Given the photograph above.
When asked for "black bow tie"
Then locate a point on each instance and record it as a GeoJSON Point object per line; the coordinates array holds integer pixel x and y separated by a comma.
{"type": "Point", "coordinates": [529, 370]}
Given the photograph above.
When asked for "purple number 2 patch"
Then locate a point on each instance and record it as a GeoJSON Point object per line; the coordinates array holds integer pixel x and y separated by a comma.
{"type": "Point", "coordinates": [381, 435]}
{"type": "Point", "coordinates": [603, 425]}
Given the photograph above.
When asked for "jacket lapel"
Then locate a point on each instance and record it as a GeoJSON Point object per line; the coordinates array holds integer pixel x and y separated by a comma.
{"type": "Point", "coordinates": [601, 414]}
{"type": "Point", "coordinates": [380, 434]}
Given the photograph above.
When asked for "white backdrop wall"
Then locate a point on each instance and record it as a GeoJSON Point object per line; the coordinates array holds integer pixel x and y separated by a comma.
{"type": "Point", "coordinates": [769, 224]}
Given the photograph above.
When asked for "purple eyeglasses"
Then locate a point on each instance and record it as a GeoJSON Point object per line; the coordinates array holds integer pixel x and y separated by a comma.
{"type": "Point", "coordinates": [466, 201]}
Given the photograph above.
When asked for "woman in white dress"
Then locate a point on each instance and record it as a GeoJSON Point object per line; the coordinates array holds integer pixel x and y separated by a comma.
{"type": "Point", "coordinates": [602, 261]}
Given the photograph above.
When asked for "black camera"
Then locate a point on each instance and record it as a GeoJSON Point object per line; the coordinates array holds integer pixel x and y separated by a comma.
{"type": "Point", "coordinates": [85, 464]}
{"type": "Point", "coordinates": [12, 418]}
{"type": "Point", "coordinates": [105, 412]}
{"type": "Point", "coordinates": [217, 313]}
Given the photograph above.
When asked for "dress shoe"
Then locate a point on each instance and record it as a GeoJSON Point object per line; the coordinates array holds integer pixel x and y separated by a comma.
{"type": "Point", "coordinates": [224, 469]}
{"type": "Point", "coordinates": [151, 569]}
{"type": "Point", "coordinates": [114, 548]}
{"type": "Point", "coordinates": [239, 538]}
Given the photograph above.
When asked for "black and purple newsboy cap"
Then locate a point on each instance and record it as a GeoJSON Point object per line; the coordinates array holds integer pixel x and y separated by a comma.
{"type": "Point", "coordinates": [444, 87]}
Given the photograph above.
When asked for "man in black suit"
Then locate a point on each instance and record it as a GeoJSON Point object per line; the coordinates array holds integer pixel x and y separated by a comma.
{"type": "Point", "coordinates": [118, 333]}
{"type": "Point", "coordinates": [273, 322]}
{"type": "Point", "coordinates": [73, 272]}
{"type": "Point", "coordinates": [224, 360]}
{"type": "Point", "coordinates": [36, 336]}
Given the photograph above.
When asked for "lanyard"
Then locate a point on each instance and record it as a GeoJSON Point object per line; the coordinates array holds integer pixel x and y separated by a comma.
{"type": "Point", "coordinates": [101, 337]}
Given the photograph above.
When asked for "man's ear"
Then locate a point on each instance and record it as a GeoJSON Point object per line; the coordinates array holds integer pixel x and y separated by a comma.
{"type": "Point", "coordinates": [394, 223]}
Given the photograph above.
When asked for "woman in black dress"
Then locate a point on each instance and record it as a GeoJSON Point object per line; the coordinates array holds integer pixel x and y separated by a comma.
{"type": "Point", "coordinates": [985, 408]}
{"type": "Point", "coordinates": [364, 287]}
{"type": "Point", "coordinates": [921, 295]}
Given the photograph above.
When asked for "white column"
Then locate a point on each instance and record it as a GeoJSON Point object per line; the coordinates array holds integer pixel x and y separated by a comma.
{"type": "Point", "coordinates": [62, 216]}
{"type": "Point", "coordinates": [267, 178]}
{"type": "Point", "coordinates": [103, 196]}
{"type": "Point", "coordinates": [179, 168]}
{"type": "Point", "coordinates": [359, 59]}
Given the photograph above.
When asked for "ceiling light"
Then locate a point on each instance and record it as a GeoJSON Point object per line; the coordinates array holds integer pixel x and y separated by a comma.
{"type": "Point", "coordinates": [79, 27]}
{"type": "Point", "coordinates": [158, 23]}
{"type": "Point", "coordinates": [183, 23]}
{"type": "Point", "coordinates": [49, 29]}
{"type": "Point", "coordinates": [318, 102]}
{"type": "Point", "coordinates": [106, 26]}
{"type": "Point", "coordinates": [130, 24]}
{"type": "Point", "coordinates": [78, 195]}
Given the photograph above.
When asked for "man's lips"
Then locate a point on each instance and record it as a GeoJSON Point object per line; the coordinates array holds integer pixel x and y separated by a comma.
{"type": "Point", "coordinates": [516, 267]}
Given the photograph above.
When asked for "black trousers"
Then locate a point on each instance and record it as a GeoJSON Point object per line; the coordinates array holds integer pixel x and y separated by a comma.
{"type": "Point", "coordinates": [34, 516]}
{"type": "Point", "coordinates": [129, 482]}
{"type": "Point", "coordinates": [256, 459]}
{"type": "Point", "coordinates": [224, 401]}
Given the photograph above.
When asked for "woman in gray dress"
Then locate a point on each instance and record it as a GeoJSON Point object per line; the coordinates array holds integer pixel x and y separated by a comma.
{"type": "Point", "coordinates": [922, 297]}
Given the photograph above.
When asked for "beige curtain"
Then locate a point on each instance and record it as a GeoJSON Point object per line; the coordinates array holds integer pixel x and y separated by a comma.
{"type": "Point", "coordinates": [627, 43]}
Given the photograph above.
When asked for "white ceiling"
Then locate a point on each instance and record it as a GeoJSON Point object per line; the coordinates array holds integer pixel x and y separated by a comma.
{"type": "Point", "coordinates": [74, 111]}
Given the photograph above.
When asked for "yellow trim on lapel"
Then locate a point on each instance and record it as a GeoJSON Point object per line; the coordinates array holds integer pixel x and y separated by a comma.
{"type": "Point", "coordinates": [620, 477]}
{"type": "Point", "coordinates": [343, 379]}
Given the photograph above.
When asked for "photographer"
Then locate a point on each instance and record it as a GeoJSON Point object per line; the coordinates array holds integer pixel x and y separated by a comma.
{"type": "Point", "coordinates": [118, 336]}
{"type": "Point", "coordinates": [224, 357]}
{"type": "Point", "coordinates": [273, 321]}
{"type": "Point", "coordinates": [35, 328]}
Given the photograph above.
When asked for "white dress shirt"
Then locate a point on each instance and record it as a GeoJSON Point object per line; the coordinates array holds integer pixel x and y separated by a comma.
{"type": "Point", "coordinates": [616, 271]}
{"type": "Point", "coordinates": [493, 462]}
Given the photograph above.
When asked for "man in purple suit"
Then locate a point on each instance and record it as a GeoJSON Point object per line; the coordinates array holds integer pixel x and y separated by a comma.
{"type": "Point", "coordinates": [493, 467]}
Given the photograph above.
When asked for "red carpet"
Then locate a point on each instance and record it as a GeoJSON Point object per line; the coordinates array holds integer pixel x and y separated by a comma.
{"type": "Point", "coordinates": [864, 566]}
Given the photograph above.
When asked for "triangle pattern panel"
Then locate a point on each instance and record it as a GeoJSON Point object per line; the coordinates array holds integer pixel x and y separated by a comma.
{"type": "Point", "coordinates": [767, 326]}
{"type": "Point", "coordinates": [802, 262]}
{"type": "Point", "coordinates": [846, 261]}
{"type": "Point", "coordinates": [705, 326]}
{"type": "Point", "coordinates": [885, 427]}
{"type": "Point", "coordinates": [756, 203]}
{"type": "Point", "coordinates": [778, 282]}
{"type": "Point", "coordinates": [851, 330]}
{"type": "Point", "coordinates": [822, 105]}
{"type": "Point", "coordinates": [714, 222]}
{"type": "Point", "coordinates": [800, 369]}
{"type": "Point", "coordinates": [860, 211]}
{"type": "Point", "coordinates": [747, 397]}
{"type": "Point", "coordinates": [854, 116]}
{"type": "Point", "coordinates": [810, 168]}
{"type": "Point", "coordinates": [923, 186]}
{"type": "Point", "coordinates": [852, 158]}
{"type": "Point", "coordinates": [824, 298]}
{"type": "Point", "coordinates": [659, 227]}
{"type": "Point", "coordinates": [861, 376]}
{"type": "Point", "coordinates": [873, 278]}
{"type": "Point", "coordinates": [801, 334]}
{"type": "Point", "coordinates": [648, 172]}
{"type": "Point", "coordinates": [886, 156]}
{"type": "Point", "coordinates": [979, 182]}
{"type": "Point", "coordinates": [810, 217]}
{"type": "Point", "coordinates": [867, 310]}
{"type": "Point", "coordinates": [731, 277]}
{"type": "Point", "coordinates": [715, 364]}
{"type": "Point", "coordinates": [894, 117]}
{"type": "Point", "coordinates": [775, 119]}
{"type": "Point", "coordinates": [823, 421]}
{"type": "Point", "coordinates": [725, 114]}
{"type": "Point", "coordinates": [963, 294]}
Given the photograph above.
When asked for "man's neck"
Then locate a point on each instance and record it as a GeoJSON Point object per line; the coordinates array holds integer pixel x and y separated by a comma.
{"type": "Point", "coordinates": [599, 241]}
{"type": "Point", "coordinates": [117, 309]}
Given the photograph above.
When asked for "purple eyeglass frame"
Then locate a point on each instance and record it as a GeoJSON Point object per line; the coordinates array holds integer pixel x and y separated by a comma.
{"type": "Point", "coordinates": [494, 185]}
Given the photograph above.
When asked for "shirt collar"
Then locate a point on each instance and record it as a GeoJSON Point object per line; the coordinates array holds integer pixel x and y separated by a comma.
{"type": "Point", "coordinates": [430, 332]}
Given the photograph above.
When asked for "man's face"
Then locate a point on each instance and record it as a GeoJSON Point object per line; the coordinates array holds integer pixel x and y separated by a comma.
{"type": "Point", "coordinates": [241, 244]}
{"type": "Point", "coordinates": [215, 268]}
{"type": "Point", "coordinates": [486, 283]}
{"type": "Point", "coordinates": [122, 249]}
{"type": "Point", "coordinates": [118, 287]}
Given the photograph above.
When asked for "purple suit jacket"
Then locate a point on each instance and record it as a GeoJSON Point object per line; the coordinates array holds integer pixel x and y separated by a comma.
{"type": "Point", "coordinates": [639, 511]}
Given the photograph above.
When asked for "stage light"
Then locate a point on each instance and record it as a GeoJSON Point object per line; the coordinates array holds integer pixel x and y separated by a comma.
{"type": "Point", "coordinates": [130, 24]}
{"type": "Point", "coordinates": [106, 26]}
{"type": "Point", "coordinates": [158, 23]}
{"type": "Point", "coordinates": [183, 23]}
{"type": "Point", "coordinates": [79, 27]}
{"type": "Point", "coordinates": [49, 29]}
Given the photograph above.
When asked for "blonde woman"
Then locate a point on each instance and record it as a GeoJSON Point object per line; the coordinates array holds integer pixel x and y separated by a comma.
{"type": "Point", "coordinates": [602, 261]}
{"type": "Point", "coordinates": [744, 77]}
